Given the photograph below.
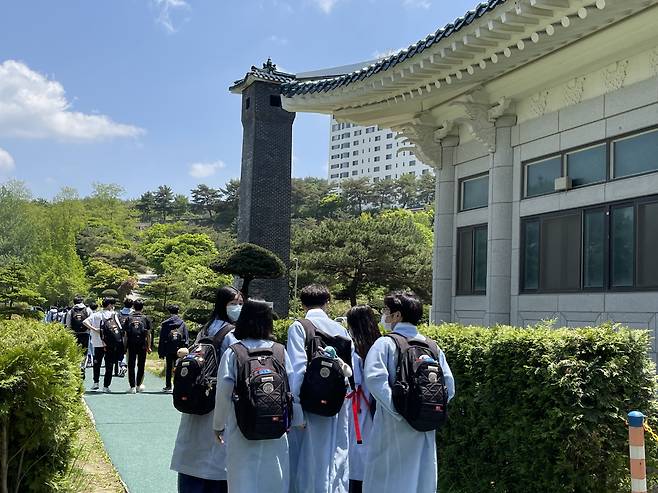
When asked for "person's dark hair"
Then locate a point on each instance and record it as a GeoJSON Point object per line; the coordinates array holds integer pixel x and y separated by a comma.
{"type": "Point", "coordinates": [255, 321]}
{"type": "Point", "coordinates": [362, 325]}
{"type": "Point", "coordinates": [314, 295]}
{"type": "Point", "coordinates": [138, 305]}
{"type": "Point", "coordinates": [224, 296]}
{"type": "Point", "coordinates": [93, 305]}
{"type": "Point", "coordinates": [173, 309]}
{"type": "Point", "coordinates": [407, 303]}
{"type": "Point", "coordinates": [128, 303]}
{"type": "Point", "coordinates": [108, 301]}
{"type": "Point", "coordinates": [77, 300]}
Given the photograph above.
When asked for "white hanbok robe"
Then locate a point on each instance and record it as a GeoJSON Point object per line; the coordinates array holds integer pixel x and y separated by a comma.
{"type": "Point", "coordinates": [319, 451]}
{"type": "Point", "coordinates": [358, 452]}
{"type": "Point", "coordinates": [197, 452]}
{"type": "Point", "coordinates": [253, 465]}
{"type": "Point", "coordinates": [399, 457]}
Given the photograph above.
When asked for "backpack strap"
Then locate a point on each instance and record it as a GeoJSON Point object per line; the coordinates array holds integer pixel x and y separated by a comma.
{"type": "Point", "coordinates": [310, 341]}
{"type": "Point", "coordinates": [434, 347]}
{"type": "Point", "coordinates": [218, 338]}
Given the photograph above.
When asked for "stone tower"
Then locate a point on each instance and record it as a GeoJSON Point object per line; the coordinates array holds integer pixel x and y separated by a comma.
{"type": "Point", "coordinates": [265, 181]}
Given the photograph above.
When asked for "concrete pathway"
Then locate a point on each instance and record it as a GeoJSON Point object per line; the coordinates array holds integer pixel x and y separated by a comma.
{"type": "Point", "coordinates": [138, 430]}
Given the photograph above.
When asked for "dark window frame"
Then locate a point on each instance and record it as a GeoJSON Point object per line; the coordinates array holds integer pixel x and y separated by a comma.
{"type": "Point", "coordinates": [609, 168]}
{"type": "Point", "coordinates": [460, 192]}
{"type": "Point", "coordinates": [607, 257]}
{"type": "Point", "coordinates": [471, 291]}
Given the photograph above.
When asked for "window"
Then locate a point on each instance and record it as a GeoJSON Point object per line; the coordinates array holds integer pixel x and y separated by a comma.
{"type": "Point", "coordinates": [344, 155]}
{"type": "Point", "coordinates": [375, 179]}
{"type": "Point", "coordinates": [375, 169]}
{"type": "Point", "coordinates": [378, 138]}
{"type": "Point", "coordinates": [389, 156]}
{"type": "Point", "coordinates": [334, 138]}
{"type": "Point", "coordinates": [388, 166]}
{"type": "Point", "coordinates": [335, 156]}
{"type": "Point", "coordinates": [344, 165]}
{"type": "Point", "coordinates": [604, 248]}
{"type": "Point", "coordinates": [355, 172]}
{"type": "Point", "coordinates": [355, 153]}
{"type": "Point", "coordinates": [370, 130]}
{"type": "Point", "coordinates": [335, 166]}
{"type": "Point", "coordinates": [334, 176]}
{"type": "Point", "coordinates": [275, 100]}
{"type": "Point", "coordinates": [377, 148]}
{"type": "Point", "coordinates": [587, 166]}
{"type": "Point", "coordinates": [389, 135]}
{"type": "Point", "coordinates": [357, 132]}
{"type": "Point", "coordinates": [355, 143]}
{"type": "Point", "coordinates": [335, 127]}
{"type": "Point", "coordinates": [474, 193]}
{"type": "Point", "coordinates": [472, 260]}
{"type": "Point", "coordinates": [346, 135]}
{"type": "Point", "coordinates": [389, 146]}
{"type": "Point", "coordinates": [376, 159]}
{"type": "Point", "coordinates": [345, 174]}
{"type": "Point", "coordinates": [354, 163]}
{"type": "Point", "coordinates": [412, 162]}
{"type": "Point", "coordinates": [346, 145]}
{"type": "Point", "coordinates": [387, 177]}
{"type": "Point", "coordinates": [540, 176]}
{"type": "Point", "coordinates": [334, 147]}
{"type": "Point", "coordinates": [247, 103]}
{"type": "Point", "coordinates": [425, 171]}
{"type": "Point", "coordinates": [635, 155]}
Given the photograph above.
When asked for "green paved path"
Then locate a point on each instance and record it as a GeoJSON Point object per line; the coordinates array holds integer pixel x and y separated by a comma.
{"type": "Point", "coordinates": [138, 431]}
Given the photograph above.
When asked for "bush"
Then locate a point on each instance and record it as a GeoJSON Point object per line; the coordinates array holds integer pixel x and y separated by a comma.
{"type": "Point", "coordinates": [40, 406]}
{"type": "Point", "coordinates": [540, 409]}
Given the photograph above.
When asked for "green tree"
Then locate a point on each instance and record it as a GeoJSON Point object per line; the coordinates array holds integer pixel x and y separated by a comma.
{"type": "Point", "coordinates": [406, 190]}
{"type": "Point", "coordinates": [106, 201]}
{"type": "Point", "coordinates": [103, 275]}
{"type": "Point", "coordinates": [21, 223]}
{"type": "Point", "coordinates": [307, 194]}
{"type": "Point", "coordinates": [180, 206]}
{"type": "Point", "coordinates": [205, 200]}
{"type": "Point", "coordinates": [169, 254]}
{"type": "Point", "coordinates": [357, 255]}
{"type": "Point", "coordinates": [164, 201]}
{"type": "Point", "coordinates": [147, 206]}
{"type": "Point", "coordinates": [227, 213]}
{"type": "Point", "coordinates": [356, 194]}
{"type": "Point", "coordinates": [426, 188]}
{"type": "Point", "coordinates": [384, 193]}
{"type": "Point", "coordinates": [16, 288]}
{"type": "Point", "coordinates": [249, 262]}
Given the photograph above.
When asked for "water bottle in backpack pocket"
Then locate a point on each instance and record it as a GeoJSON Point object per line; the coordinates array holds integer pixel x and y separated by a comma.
{"type": "Point", "coordinates": [419, 392]}
{"type": "Point", "coordinates": [195, 379]}
{"type": "Point", "coordinates": [261, 395]}
{"type": "Point", "coordinates": [323, 389]}
{"type": "Point", "coordinates": [112, 335]}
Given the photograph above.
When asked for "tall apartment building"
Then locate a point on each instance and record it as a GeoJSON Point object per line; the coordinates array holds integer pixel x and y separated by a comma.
{"type": "Point", "coordinates": [370, 152]}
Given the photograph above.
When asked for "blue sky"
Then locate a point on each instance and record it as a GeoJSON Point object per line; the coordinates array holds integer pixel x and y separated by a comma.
{"type": "Point", "coordinates": [135, 91]}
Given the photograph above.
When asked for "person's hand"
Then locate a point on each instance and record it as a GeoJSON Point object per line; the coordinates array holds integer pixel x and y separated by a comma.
{"type": "Point", "coordinates": [148, 350]}
{"type": "Point", "coordinates": [219, 435]}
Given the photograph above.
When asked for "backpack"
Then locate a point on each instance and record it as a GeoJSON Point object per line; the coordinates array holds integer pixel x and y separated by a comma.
{"type": "Point", "coordinates": [261, 395]}
{"type": "Point", "coordinates": [323, 389]}
{"type": "Point", "coordinates": [195, 375]}
{"type": "Point", "coordinates": [78, 315]}
{"type": "Point", "coordinates": [419, 391]}
{"type": "Point", "coordinates": [123, 319]}
{"type": "Point", "coordinates": [136, 330]}
{"type": "Point", "coordinates": [112, 335]}
{"type": "Point", "coordinates": [175, 339]}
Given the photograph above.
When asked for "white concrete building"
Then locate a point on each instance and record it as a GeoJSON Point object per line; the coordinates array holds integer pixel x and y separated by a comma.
{"type": "Point", "coordinates": [541, 120]}
{"type": "Point", "coordinates": [368, 152]}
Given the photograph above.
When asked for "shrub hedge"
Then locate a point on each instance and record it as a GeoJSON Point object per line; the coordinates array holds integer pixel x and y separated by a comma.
{"type": "Point", "coordinates": [541, 409]}
{"type": "Point", "coordinates": [40, 406]}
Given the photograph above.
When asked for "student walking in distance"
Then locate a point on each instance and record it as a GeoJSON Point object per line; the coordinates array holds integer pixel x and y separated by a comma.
{"type": "Point", "coordinates": [124, 313]}
{"type": "Point", "coordinates": [319, 448]}
{"type": "Point", "coordinates": [198, 457]}
{"type": "Point", "coordinates": [401, 452]}
{"type": "Point", "coordinates": [93, 306]}
{"type": "Point", "coordinates": [254, 405]}
{"type": "Point", "coordinates": [107, 337]}
{"type": "Point", "coordinates": [362, 325]}
{"type": "Point", "coordinates": [137, 332]}
{"type": "Point", "coordinates": [173, 336]}
{"type": "Point", "coordinates": [74, 321]}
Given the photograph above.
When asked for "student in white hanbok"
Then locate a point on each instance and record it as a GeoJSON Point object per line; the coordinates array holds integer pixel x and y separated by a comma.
{"type": "Point", "coordinates": [198, 457]}
{"type": "Point", "coordinates": [399, 457]}
{"type": "Point", "coordinates": [318, 449]}
{"type": "Point", "coordinates": [253, 465]}
{"type": "Point", "coordinates": [362, 326]}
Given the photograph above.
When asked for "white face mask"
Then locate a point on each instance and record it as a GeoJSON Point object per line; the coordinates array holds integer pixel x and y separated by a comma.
{"type": "Point", "coordinates": [388, 326]}
{"type": "Point", "coordinates": [233, 312]}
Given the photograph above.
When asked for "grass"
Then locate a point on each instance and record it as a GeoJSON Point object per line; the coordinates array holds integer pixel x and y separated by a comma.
{"type": "Point", "coordinates": [92, 470]}
{"type": "Point", "coordinates": [155, 365]}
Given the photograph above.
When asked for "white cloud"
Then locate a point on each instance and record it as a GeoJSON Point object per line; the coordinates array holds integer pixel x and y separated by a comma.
{"type": "Point", "coordinates": [166, 8]}
{"type": "Point", "coordinates": [203, 170]}
{"type": "Point", "coordinates": [278, 40]}
{"type": "Point", "coordinates": [425, 4]}
{"type": "Point", "coordinates": [6, 162]}
{"type": "Point", "coordinates": [384, 54]}
{"type": "Point", "coordinates": [326, 5]}
{"type": "Point", "coordinates": [32, 106]}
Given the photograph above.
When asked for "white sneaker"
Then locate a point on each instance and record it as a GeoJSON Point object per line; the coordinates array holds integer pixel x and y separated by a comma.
{"type": "Point", "coordinates": [167, 390]}
{"type": "Point", "coordinates": [107, 390]}
{"type": "Point", "coordinates": [141, 388]}
{"type": "Point", "coordinates": [94, 387]}
{"type": "Point", "coordinates": [132, 390]}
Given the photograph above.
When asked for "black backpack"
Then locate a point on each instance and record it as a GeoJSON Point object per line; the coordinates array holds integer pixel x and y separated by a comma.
{"type": "Point", "coordinates": [261, 395]}
{"type": "Point", "coordinates": [323, 389]}
{"type": "Point", "coordinates": [175, 339]}
{"type": "Point", "coordinates": [123, 319]}
{"type": "Point", "coordinates": [419, 392]}
{"type": "Point", "coordinates": [78, 315]}
{"type": "Point", "coordinates": [136, 330]}
{"type": "Point", "coordinates": [112, 335]}
{"type": "Point", "coordinates": [195, 375]}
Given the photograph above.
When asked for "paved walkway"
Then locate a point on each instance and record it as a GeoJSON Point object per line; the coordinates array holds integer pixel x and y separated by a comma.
{"type": "Point", "coordinates": [138, 431]}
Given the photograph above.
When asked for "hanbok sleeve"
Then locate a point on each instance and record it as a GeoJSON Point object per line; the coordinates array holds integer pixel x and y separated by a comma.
{"type": "Point", "coordinates": [225, 384]}
{"type": "Point", "coordinates": [376, 375]}
{"type": "Point", "coordinates": [296, 349]}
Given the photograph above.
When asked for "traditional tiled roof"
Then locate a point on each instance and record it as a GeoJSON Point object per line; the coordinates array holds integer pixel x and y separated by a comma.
{"type": "Point", "coordinates": [268, 73]}
{"type": "Point", "coordinates": [298, 87]}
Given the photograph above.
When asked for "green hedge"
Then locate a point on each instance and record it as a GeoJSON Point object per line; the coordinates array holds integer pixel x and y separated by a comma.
{"type": "Point", "coordinates": [541, 409]}
{"type": "Point", "coordinates": [40, 407]}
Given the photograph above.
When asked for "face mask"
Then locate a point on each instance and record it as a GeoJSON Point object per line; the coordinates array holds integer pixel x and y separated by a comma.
{"type": "Point", "coordinates": [233, 312]}
{"type": "Point", "coordinates": [388, 326]}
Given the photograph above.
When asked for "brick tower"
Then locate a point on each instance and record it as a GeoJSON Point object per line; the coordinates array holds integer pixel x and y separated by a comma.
{"type": "Point", "coordinates": [265, 181]}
